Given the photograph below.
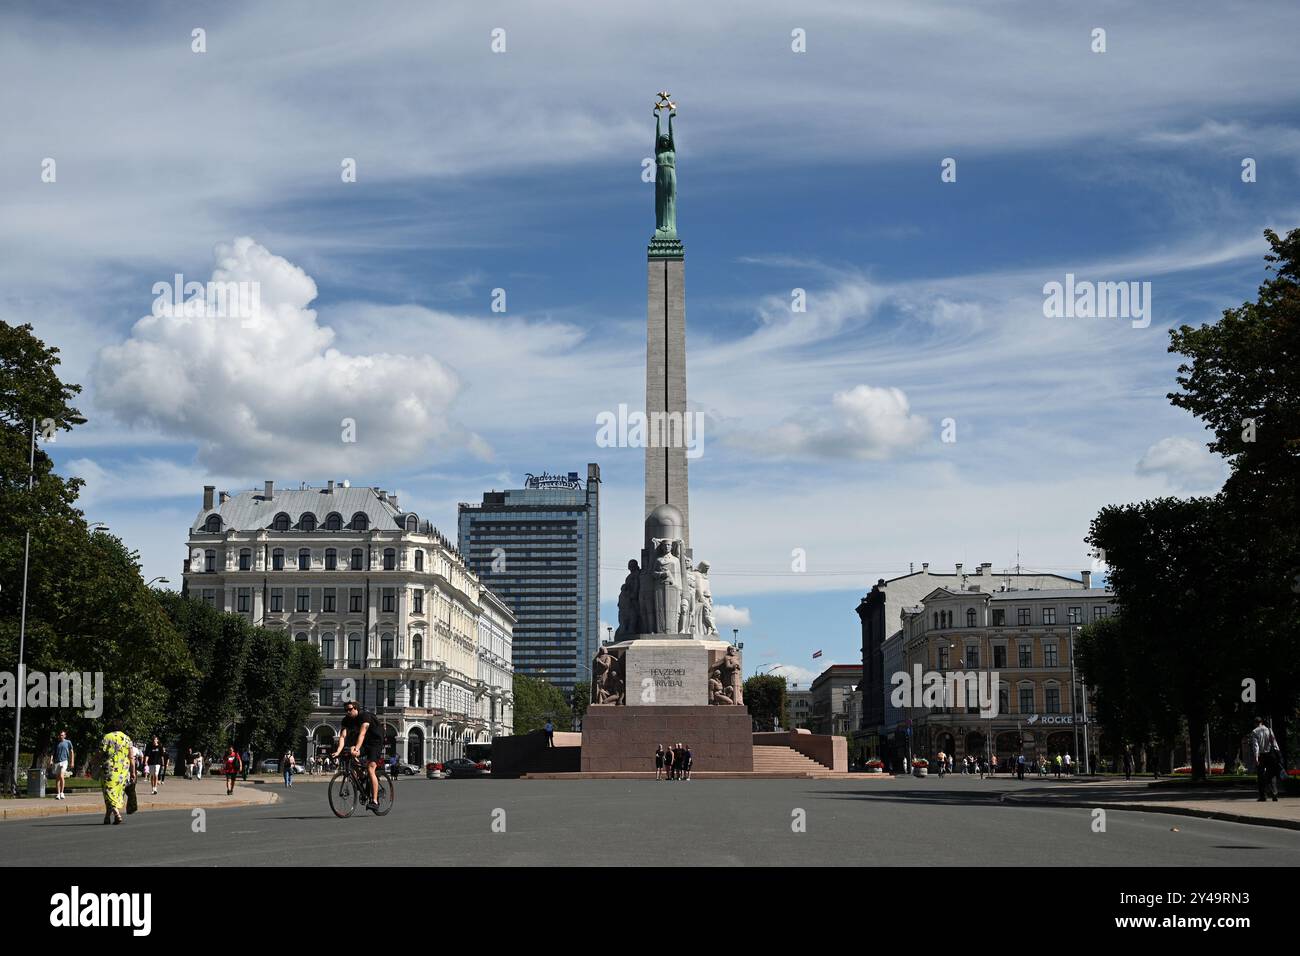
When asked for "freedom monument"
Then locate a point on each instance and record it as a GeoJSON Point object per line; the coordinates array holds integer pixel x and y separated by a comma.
{"type": "Point", "coordinates": [669, 677]}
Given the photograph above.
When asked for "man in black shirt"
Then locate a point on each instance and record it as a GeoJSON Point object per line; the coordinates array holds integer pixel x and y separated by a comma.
{"type": "Point", "coordinates": [154, 755]}
{"type": "Point", "coordinates": [364, 738]}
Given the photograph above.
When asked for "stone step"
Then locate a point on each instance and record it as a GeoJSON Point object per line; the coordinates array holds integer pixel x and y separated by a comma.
{"type": "Point", "coordinates": [781, 758]}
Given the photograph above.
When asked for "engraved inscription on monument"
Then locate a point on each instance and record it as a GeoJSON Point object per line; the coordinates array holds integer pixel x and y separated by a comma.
{"type": "Point", "coordinates": [667, 673]}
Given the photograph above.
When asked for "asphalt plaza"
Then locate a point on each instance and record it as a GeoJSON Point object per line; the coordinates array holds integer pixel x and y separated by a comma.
{"type": "Point", "coordinates": [955, 820]}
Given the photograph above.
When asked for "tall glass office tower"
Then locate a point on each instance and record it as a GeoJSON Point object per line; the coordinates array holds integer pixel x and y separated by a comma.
{"type": "Point", "coordinates": [538, 548]}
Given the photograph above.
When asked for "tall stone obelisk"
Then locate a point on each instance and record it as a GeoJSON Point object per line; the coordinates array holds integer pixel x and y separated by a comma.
{"type": "Point", "coordinates": [665, 359]}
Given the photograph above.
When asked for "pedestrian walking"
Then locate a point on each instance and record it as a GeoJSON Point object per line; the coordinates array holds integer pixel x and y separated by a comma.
{"type": "Point", "coordinates": [659, 761]}
{"type": "Point", "coordinates": [1020, 767]}
{"type": "Point", "coordinates": [943, 762]}
{"type": "Point", "coordinates": [1068, 763]}
{"type": "Point", "coordinates": [63, 759]}
{"type": "Point", "coordinates": [286, 764]}
{"type": "Point", "coordinates": [153, 759]}
{"type": "Point", "coordinates": [232, 767]}
{"type": "Point", "coordinates": [549, 728]}
{"type": "Point", "coordinates": [1056, 766]}
{"type": "Point", "coordinates": [198, 764]}
{"type": "Point", "coordinates": [116, 773]}
{"type": "Point", "coordinates": [1268, 759]}
{"type": "Point", "coordinates": [1128, 763]}
{"type": "Point", "coordinates": [246, 758]}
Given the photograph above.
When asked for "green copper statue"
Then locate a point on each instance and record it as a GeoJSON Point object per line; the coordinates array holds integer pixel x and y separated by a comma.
{"type": "Point", "coordinates": [665, 173]}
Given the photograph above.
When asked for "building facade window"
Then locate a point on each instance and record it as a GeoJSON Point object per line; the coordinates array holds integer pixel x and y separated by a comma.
{"type": "Point", "coordinates": [327, 648]}
{"type": "Point", "coordinates": [1026, 655]}
{"type": "Point", "coordinates": [354, 649]}
{"type": "Point", "coordinates": [327, 601]}
{"type": "Point", "coordinates": [307, 522]}
{"type": "Point", "coordinates": [356, 559]}
{"type": "Point", "coordinates": [999, 657]}
{"type": "Point", "coordinates": [1098, 612]}
{"type": "Point", "coordinates": [973, 657]}
{"type": "Point", "coordinates": [1052, 700]}
{"type": "Point", "coordinates": [281, 522]}
{"type": "Point", "coordinates": [386, 649]}
{"type": "Point", "coordinates": [1049, 615]}
{"type": "Point", "coordinates": [355, 598]}
{"type": "Point", "coordinates": [301, 637]}
{"type": "Point", "coordinates": [360, 522]}
{"type": "Point", "coordinates": [331, 559]}
{"type": "Point", "coordinates": [970, 617]}
{"type": "Point", "coordinates": [277, 559]}
{"type": "Point", "coordinates": [304, 559]}
{"type": "Point", "coordinates": [277, 600]}
{"type": "Point", "coordinates": [943, 658]}
{"type": "Point", "coordinates": [417, 649]}
{"type": "Point", "coordinates": [389, 598]}
{"type": "Point", "coordinates": [1027, 700]}
{"type": "Point", "coordinates": [999, 617]}
{"type": "Point", "coordinates": [245, 560]}
{"type": "Point", "coordinates": [1022, 616]}
{"type": "Point", "coordinates": [243, 601]}
{"type": "Point", "coordinates": [213, 523]}
{"type": "Point", "coordinates": [334, 521]}
{"type": "Point", "coordinates": [304, 599]}
{"type": "Point", "coordinates": [209, 561]}
{"type": "Point", "coordinates": [419, 559]}
{"type": "Point", "coordinates": [1075, 615]}
{"type": "Point", "coordinates": [418, 602]}
{"type": "Point", "coordinates": [390, 559]}
{"type": "Point", "coordinates": [1049, 656]}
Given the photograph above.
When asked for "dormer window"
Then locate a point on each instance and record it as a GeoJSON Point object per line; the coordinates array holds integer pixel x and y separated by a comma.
{"type": "Point", "coordinates": [334, 521]}
{"type": "Point", "coordinates": [307, 522]}
{"type": "Point", "coordinates": [281, 522]}
{"type": "Point", "coordinates": [412, 524]}
{"type": "Point", "coordinates": [360, 522]}
{"type": "Point", "coordinates": [213, 523]}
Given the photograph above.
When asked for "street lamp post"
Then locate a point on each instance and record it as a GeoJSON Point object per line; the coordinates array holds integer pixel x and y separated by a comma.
{"type": "Point", "coordinates": [1073, 710]}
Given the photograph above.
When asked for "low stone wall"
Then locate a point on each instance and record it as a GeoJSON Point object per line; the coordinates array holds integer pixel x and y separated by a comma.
{"type": "Point", "coordinates": [832, 752]}
{"type": "Point", "coordinates": [622, 739]}
{"type": "Point", "coordinates": [528, 753]}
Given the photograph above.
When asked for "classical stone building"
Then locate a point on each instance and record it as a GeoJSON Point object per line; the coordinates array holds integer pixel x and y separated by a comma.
{"type": "Point", "coordinates": [800, 706]}
{"type": "Point", "coordinates": [1019, 643]}
{"type": "Point", "coordinates": [830, 691]}
{"type": "Point", "coordinates": [402, 624]}
{"type": "Point", "coordinates": [882, 727]}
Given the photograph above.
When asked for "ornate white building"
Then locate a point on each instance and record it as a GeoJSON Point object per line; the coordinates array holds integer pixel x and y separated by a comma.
{"type": "Point", "coordinates": [402, 624]}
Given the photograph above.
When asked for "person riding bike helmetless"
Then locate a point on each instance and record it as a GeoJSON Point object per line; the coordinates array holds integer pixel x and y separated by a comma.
{"type": "Point", "coordinates": [361, 729]}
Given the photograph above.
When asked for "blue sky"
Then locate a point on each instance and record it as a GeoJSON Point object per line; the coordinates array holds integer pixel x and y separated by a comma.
{"type": "Point", "coordinates": [521, 170]}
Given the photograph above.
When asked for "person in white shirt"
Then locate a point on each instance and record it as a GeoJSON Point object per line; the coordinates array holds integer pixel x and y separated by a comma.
{"type": "Point", "coordinates": [1066, 761]}
{"type": "Point", "coordinates": [1268, 759]}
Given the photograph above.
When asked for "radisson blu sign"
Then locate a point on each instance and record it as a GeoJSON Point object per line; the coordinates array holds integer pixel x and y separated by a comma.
{"type": "Point", "coordinates": [546, 480]}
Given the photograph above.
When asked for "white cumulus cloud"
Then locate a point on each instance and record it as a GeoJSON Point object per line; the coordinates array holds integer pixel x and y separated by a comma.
{"type": "Point", "coordinates": [727, 616]}
{"type": "Point", "coordinates": [1185, 464]}
{"type": "Point", "coordinates": [269, 390]}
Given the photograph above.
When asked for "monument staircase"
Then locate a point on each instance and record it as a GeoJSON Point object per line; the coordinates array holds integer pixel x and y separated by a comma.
{"type": "Point", "coordinates": [786, 760]}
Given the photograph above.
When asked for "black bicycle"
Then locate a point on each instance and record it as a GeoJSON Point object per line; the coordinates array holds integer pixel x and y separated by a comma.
{"type": "Point", "coordinates": [352, 784]}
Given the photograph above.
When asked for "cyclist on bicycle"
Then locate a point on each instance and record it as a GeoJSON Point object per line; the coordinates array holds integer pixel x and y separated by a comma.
{"type": "Point", "coordinates": [362, 735]}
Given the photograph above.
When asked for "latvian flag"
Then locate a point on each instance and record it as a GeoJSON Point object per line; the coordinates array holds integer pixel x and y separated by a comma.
{"type": "Point", "coordinates": [817, 655]}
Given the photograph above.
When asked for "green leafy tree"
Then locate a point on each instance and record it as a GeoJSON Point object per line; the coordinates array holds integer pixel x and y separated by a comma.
{"type": "Point", "coordinates": [1241, 376]}
{"type": "Point", "coordinates": [536, 701]}
{"type": "Point", "coordinates": [765, 698]}
{"type": "Point", "coordinates": [581, 698]}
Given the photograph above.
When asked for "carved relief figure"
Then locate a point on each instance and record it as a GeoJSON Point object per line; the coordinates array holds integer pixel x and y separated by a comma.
{"type": "Point", "coordinates": [717, 693]}
{"type": "Point", "coordinates": [606, 684]}
{"type": "Point", "coordinates": [703, 601]}
{"type": "Point", "coordinates": [667, 587]}
{"type": "Point", "coordinates": [629, 611]}
{"type": "Point", "coordinates": [729, 673]}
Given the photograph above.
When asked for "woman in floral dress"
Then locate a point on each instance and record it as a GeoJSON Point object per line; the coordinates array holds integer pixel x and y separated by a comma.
{"type": "Point", "coordinates": [116, 773]}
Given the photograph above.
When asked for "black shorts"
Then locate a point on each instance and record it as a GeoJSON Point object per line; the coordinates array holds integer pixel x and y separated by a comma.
{"type": "Point", "coordinates": [372, 754]}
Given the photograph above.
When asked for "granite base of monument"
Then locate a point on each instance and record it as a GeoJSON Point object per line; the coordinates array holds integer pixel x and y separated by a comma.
{"type": "Point", "coordinates": [623, 738]}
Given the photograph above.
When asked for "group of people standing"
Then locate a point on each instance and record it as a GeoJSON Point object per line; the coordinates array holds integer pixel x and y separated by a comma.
{"type": "Point", "coordinates": [673, 762]}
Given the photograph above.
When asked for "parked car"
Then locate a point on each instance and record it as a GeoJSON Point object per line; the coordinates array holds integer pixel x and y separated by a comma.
{"type": "Point", "coordinates": [269, 765]}
{"type": "Point", "coordinates": [435, 771]}
{"type": "Point", "coordinates": [464, 767]}
{"type": "Point", "coordinates": [398, 768]}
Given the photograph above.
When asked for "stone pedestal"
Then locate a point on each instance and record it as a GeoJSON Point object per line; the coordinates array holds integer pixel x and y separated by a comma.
{"type": "Point", "coordinates": [669, 670]}
{"type": "Point", "coordinates": [624, 739]}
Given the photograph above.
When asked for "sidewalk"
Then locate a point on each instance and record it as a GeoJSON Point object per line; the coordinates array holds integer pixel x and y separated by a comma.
{"type": "Point", "coordinates": [1238, 805]}
{"type": "Point", "coordinates": [176, 793]}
